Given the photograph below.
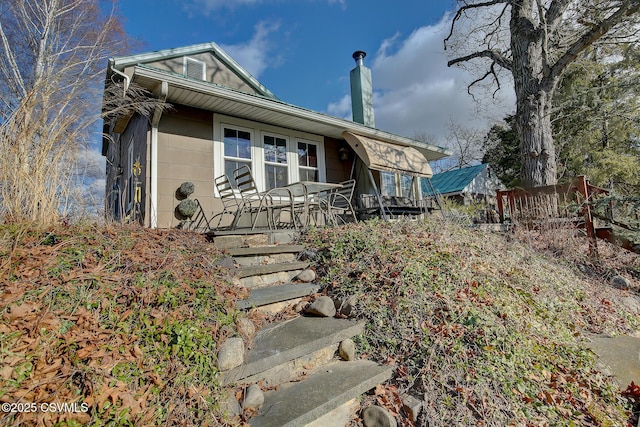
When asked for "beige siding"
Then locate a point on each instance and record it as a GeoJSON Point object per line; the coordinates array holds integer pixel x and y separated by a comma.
{"type": "Point", "coordinates": [185, 153]}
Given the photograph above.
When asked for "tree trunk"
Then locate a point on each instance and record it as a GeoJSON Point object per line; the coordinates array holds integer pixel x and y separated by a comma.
{"type": "Point", "coordinates": [534, 91]}
{"type": "Point", "coordinates": [537, 150]}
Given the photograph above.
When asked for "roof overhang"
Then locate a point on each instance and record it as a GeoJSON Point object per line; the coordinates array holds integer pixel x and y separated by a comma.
{"type": "Point", "coordinates": [223, 100]}
{"type": "Point", "coordinates": [383, 156]}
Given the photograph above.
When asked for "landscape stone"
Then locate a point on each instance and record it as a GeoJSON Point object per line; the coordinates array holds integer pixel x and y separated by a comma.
{"type": "Point", "coordinates": [347, 349]}
{"type": "Point", "coordinates": [346, 306]}
{"type": "Point", "coordinates": [376, 416]}
{"type": "Point", "coordinates": [411, 406]}
{"type": "Point", "coordinates": [632, 303]}
{"type": "Point", "coordinates": [309, 255]}
{"type": "Point", "coordinates": [226, 263]}
{"type": "Point", "coordinates": [323, 306]}
{"type": "Point", "coordinates": [253, 398]}
{"type": "Point", "coordinates": [231, 354]}
{"type": "Point", "coordinates": [306, 276]}
{"type": "Point", "coordinates": [620, 282]}
{"type": "Point", "coordinates": [246, 327]}
{"type": "Point", "coordinates": [231, 406]}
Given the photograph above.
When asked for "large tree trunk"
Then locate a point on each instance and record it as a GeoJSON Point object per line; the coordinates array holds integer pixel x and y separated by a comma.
{"type": "Point", "coordinates": [534, 91]}
{"type": "Point", "coordinates": [533, 123]}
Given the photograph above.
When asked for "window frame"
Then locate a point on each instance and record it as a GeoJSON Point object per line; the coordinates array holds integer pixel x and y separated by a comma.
{"type": "Point", "coordinates": [257, 130]}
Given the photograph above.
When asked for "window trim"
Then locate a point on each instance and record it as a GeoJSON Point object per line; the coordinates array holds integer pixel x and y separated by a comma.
{"type": "Point", "coordinates": [257, 160]}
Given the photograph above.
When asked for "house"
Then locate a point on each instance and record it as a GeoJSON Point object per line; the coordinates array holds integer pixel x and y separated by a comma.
{"type": "Point", "coordinates": [221, 117]}
{"type": "Point", "coordinates": [465, 185]}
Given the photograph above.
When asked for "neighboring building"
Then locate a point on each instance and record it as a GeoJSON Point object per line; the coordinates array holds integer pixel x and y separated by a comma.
{"type": "Point", "coordinates": [222, 117]}
{"type": "Point", "coordinates": [466, 185]}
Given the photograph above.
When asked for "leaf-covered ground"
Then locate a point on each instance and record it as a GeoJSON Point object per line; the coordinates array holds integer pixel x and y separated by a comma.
{"type": "Point", "coordinates": [122, 320]}
{"type": "Point", "coordinates": [487, 329]}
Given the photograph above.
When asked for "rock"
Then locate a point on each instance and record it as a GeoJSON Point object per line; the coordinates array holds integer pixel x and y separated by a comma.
{"type": "Point", "coordinates": [347, 349]}
{"type": "Point", "coordinates": [306, 276]}
{"type": "Point", "coordinates": [632, 303]}
{"type": "Point", "coordinates": [308, 255]}
{"type": "Point", "coordinates": [253, 397]}
{"type": "Point", "coordinates": [323, 306]}
{"type": "Point", "coordinates": [375, 416]}
{"type": "Point", "coordinates": [231, 354]}
{"type": "Point", "coordinates": [411, 406]}
{"type": "Point", "coordinates": [231, 406]}
{"type": "Point", "coordinates": [620, 282]}
{"type": "Point", "coordinates": [299, 308]}
{"type": "Point", "coordinates": [346, 306]}
{"type": "Point", "coordinates": [246, 327]}
{"type": "Point", "coordinates": [226, 263]}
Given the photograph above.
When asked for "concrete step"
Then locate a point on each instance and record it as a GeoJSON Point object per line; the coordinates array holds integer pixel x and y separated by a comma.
{"type": "Point", "coordinates": [265, 250]}
{"type": "Point", "coordinates": [300, 403]}
{"type": "Point", "coordinates": [276, 345]}
{"type": "Point", "coordinates": [258, 270]}
{"type": "Point", "coordinates": [264, 296]}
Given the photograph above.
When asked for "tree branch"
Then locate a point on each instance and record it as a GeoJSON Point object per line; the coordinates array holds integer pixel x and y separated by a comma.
{"type": "Point", "coordinates": [627, 8]}
{"type": "Point", "coordinates": [466, 7]}
{"type": "Point", "coordinates": [495, 56]}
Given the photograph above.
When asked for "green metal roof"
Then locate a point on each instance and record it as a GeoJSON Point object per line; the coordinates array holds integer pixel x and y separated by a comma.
{"type": "Point", "coordinates": [454, 181]}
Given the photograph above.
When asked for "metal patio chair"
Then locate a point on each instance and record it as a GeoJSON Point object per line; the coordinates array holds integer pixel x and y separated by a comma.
{"type": "Point", "coordinates": [339, 203]}
{"type": "Point", "coordinates": [230, 200]}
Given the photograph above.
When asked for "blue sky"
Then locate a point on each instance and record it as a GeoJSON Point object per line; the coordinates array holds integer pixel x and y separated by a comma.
{"type": "Point", "coordinates": [301, 50]}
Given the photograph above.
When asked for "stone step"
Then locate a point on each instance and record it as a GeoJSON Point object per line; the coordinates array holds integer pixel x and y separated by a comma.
{"type": "Point", "coordinates": [264, 296]}
{"type": "Point", "coordinates": [267, 280]}
{"type": "Point", "coordinates": [297, 404]}
{"type": "Point", "coordinates": [247, 261]}
{"type": "Point", "coordinates": [265, 250]}
{"type": "Point", "coordinates": [258, 270]}
{"type": "Point", "coordinates": [239, 238]}
{"type": "Point", "coordinates": [283, 342]}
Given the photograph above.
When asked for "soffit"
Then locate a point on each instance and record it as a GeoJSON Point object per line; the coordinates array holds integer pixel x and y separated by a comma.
{"type": "Point", "coordinates": [212, 97]}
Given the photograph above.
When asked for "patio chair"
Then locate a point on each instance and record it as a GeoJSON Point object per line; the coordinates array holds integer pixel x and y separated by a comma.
{"type": "Point", "coordinates": [254, 202]}
{"type": "Point", "coordinates": [230, 200]}
{"type": "Point", "coordinates": [339, 206]}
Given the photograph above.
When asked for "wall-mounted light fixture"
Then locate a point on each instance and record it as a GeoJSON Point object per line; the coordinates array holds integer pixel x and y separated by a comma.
{"type": "Point", "coordinates": [343, 153]}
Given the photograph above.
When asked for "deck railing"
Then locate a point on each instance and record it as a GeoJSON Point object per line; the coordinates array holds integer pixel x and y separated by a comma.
{"type": "Point", "coordinates": [570, 202]}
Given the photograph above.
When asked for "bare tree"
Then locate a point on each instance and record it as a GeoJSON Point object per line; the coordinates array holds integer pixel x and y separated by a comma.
{"type": "Point", "coordinates": [535, 41]}
{"type": "Point", "coordinates": [52, 59]}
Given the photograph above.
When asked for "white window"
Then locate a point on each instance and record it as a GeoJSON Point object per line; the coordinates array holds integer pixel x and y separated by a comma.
{"type": "Point", "coordinates": [277, 156]}
{"type": "Point", "coordinates": [195, 69]}
{"type": "Point", "coordinates": [237, 149]}
{"type": "Point", "coordinates": [276, 170]}
{"type": "Point", "coordinates": [308, 161]}
{"type": "Point", "coordinates": [392, 184]}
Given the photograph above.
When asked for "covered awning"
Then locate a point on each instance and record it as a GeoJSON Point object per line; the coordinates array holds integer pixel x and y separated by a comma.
{"type": "Point", "coordinates": [383, 156]}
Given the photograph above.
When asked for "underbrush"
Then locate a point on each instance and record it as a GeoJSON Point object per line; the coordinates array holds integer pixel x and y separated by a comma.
{"type": "Point", "coordinates": [121, 321]}
{"type": "Point", "coordinates": [485, 329]}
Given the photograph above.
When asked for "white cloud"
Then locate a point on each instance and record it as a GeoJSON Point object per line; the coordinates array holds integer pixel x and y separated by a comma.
{"type": "Point", "coordinates": [208, 6]}
{"type": "Point", "coordinates": [256, 54]}
{"type": "Point", "coordinates": [415, 90]}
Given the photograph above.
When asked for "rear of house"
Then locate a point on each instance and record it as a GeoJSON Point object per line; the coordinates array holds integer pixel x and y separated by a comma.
{"type": "Point", "coordinates": [219, 117]}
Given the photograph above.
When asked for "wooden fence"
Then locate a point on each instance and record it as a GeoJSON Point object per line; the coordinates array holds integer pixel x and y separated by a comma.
{"type": "Point", "coordinates": [569, 203]}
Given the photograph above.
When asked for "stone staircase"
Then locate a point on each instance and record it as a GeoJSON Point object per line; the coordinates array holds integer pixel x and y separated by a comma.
{"type": "Point", "coordinates": [305, 383]}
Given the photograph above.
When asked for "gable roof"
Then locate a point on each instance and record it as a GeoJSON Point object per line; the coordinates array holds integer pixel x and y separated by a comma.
{"type": "Point", "coordinates": [453, 181]}
{"type": "Point", "coordinates": [123, 62]}
{"type": "Point", "coordinates": [263, 106]}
